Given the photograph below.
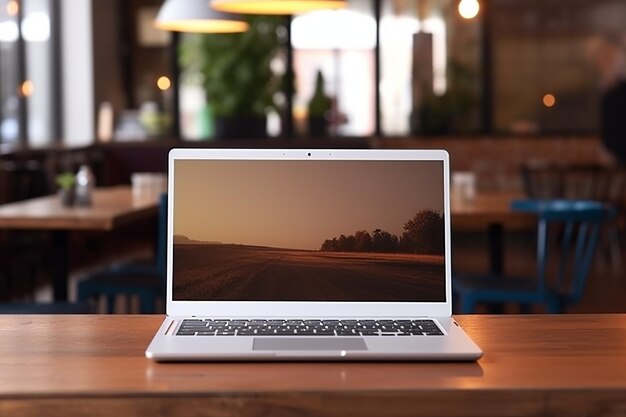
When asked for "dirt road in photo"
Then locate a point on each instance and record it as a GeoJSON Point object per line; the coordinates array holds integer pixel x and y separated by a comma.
{"type": "Point", "coordinates": [249, 273]}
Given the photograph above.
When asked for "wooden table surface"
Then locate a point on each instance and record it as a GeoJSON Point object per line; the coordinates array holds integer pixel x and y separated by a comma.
{"type": "Point", "coordinates": [116, 205]}
{"type": "Point", "coordinates": [488, 208]}
{"type": "Point", "coordinates": [569, 365]}
{"type": "Point", "coordinates": [111, 208]}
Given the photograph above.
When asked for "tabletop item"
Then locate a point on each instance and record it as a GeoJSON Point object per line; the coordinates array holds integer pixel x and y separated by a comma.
{"type": "Point", "coordinates": [309, 255]}
{"type": "Point", "coordinates": [463, 185]}
{"type": "Point", "coordinates": [148, 184]}
{"type": "Point", "coordinates": [85, 184]}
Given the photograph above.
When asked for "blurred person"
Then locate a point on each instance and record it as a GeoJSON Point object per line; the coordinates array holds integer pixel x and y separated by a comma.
{"type": "Point", "coordinates": [610, 60]}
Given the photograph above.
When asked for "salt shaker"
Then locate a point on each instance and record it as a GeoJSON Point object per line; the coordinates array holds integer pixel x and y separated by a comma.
{"type": "Point", "coordinates": [85, 183]}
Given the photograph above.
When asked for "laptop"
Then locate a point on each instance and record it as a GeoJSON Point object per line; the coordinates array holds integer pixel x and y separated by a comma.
{"type": "Point", "coordinates": [328, 255]}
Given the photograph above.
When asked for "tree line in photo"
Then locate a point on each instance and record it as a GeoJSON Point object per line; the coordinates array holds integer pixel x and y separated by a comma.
{"type": "Point", "coordinates": [423, 234]}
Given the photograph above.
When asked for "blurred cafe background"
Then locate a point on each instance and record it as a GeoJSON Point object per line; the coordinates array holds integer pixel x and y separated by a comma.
{"type": "Point", "coordinates": [527, 96]}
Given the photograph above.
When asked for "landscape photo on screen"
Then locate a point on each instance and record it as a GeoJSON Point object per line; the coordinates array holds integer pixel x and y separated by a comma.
{"type": "Point", "coordinates": [332, 231]}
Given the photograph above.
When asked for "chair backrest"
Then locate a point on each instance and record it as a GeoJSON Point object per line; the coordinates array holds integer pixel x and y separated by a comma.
{"type": "Point", "coordinates": [161, 252]}
{"type": "Point", "coordinates": [578, 182]}
{"type": "Point", "coordinates": [22, 180]}
{"type": "Point", "coordinates": [577, 224]}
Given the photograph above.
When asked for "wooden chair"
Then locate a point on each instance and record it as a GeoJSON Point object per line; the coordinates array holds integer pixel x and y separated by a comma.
{"type": "Point", "coordinates": [145, 281]}
{"type": "Point", "coordinates": [22, 253]}
{"type": "Point", "coordinates": [576, 182]}
{"type": "Point", "coordinates": [582, 182]}
{"type": "Point", "coordinates": [576, 225]}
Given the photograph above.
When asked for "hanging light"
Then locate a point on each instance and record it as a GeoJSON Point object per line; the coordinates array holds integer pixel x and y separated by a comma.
{"type": "Point", "coordinates": [468, 9]}
{"type": "Point", "coordinates": [196, 16]}
{"type": "Point", "coordinates": [279, 7]}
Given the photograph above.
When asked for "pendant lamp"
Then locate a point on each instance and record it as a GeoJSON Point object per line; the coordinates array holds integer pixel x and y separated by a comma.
{"type": "Point", "coordinates": [277, 7]}
{"type": "Point", "coordinates": [198, 17]}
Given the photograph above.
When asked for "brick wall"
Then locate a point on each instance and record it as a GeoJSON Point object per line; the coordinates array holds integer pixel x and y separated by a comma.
{"type": "Point", "coordinates": [497, 161]}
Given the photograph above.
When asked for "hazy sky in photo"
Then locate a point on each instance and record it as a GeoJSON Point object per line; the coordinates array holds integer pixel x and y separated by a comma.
{"type": "Point", "coordinates": [300, 204]}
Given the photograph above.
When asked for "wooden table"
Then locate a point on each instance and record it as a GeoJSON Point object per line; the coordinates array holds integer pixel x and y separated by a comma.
{"type": "Point", "coordinates": [111, 208]}
{"type": "Point", "coordinates": [491, 212]}
{"type": "Point", "coordinates": [569, 365]}
{"type": "Point", "coordinates": [488, 208]}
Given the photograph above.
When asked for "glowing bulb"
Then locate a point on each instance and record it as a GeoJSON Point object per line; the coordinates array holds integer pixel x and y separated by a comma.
{"type": "Point", "coordinates": [468, 9]}
{"type": "Point", "coordinates": [276, 7]}
{"type": "Point", "coordinates": [549, 100]}
{"type": "Point", "coordinates": [13, 8]}
{"type": "Point", "coordinates": [27, 88]}
{"type": "Point", "coordinates": [164, 83]}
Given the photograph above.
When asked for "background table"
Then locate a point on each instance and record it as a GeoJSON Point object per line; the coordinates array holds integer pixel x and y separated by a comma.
{"type": "Point", "coordinates": [569, 365]}
{"type": "Point", "coordinates": [111, 208]}
{"type": "Point", "coordinates": [491, 212]}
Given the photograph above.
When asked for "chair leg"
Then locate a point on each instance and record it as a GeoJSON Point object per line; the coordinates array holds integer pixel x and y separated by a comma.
{"type": "Point", "coordinates": [146, 304]}
{"type": "Point", "coordinates": [129, 302]}
{"type": "Point", "coordinates": [110, 301]}
{"type": "Point", "coordinates": [86, 296]}
{"type": "Point", "coordinates": [555, 306]}
{"type": "Point", "coordinates": [614, 248]}
{"type": "Point", "coordinates": [495, 308]}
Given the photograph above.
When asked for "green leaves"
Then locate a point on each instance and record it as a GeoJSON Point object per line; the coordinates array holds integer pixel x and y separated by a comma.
{"type": "Point", "coordinates": [235, 68]}
{"type": "Point", "coordinates": [65, 180]}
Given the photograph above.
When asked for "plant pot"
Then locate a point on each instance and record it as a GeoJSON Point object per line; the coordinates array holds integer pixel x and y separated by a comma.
{"type": "Point", "coordinates": [241, 127]}
{"type": "Point", "coordinates": [318, 127]}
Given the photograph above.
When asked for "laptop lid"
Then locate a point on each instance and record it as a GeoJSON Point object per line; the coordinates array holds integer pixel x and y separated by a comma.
{"type": "Point", "coordinates": [317, 233]}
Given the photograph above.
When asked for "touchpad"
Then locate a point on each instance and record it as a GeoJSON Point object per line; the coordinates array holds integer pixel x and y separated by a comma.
{"type": "Point", "coordinates": [308, 343]}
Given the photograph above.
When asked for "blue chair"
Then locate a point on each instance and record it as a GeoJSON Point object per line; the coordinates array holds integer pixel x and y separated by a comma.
{"type": "Point", "coordinates": [145, 281]}
{"type": "Point", "coordinates": [577, 224]}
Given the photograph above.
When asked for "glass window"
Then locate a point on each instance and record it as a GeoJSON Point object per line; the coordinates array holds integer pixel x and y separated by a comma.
{"type": "Point", "coordinates": [26, 72]}
{"type": "Point", "coordinates": [9, 71]}
{"type": "Point", "coordinates": [452, 67]}
{"type": "Point", "coordinates": [39, 71]}
{"type": "Point", "coordinates": [550, 61]}
{"type": "Point", "coordinates": [340, 46]}
{"type": "Point", "coordinates": [430, 79]}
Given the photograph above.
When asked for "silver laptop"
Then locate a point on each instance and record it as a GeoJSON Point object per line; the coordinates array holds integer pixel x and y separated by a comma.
{"type": "Point", "coordinates": [309, 255]}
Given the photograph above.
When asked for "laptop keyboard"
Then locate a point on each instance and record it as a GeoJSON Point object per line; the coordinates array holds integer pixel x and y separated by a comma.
{"type": "Point", "coordinates": [241, 327]}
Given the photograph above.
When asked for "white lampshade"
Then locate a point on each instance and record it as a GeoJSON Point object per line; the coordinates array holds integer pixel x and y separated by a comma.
{"type": "Point", "coordinates": [197, 16]}
{"type": "Point", "coordinates": [277, 7]}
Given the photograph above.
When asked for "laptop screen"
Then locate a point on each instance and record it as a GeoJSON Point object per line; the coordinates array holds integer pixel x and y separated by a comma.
{"type": "Point", "coordinates": [308, 230]}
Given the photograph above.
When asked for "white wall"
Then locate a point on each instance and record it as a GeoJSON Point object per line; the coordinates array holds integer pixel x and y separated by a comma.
{"type": "Point", "coordinates": [77, 63]}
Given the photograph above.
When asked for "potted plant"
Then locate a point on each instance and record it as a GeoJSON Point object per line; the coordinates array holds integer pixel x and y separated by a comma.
{"type": "Point", "coordinates": [319, 108]}
{"type": "Point", "coordinates": [450, 112]}
{"type": "Point", "coordinates": [66, 182]}
{"type": "Point", "coordinates": [237, 75]}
